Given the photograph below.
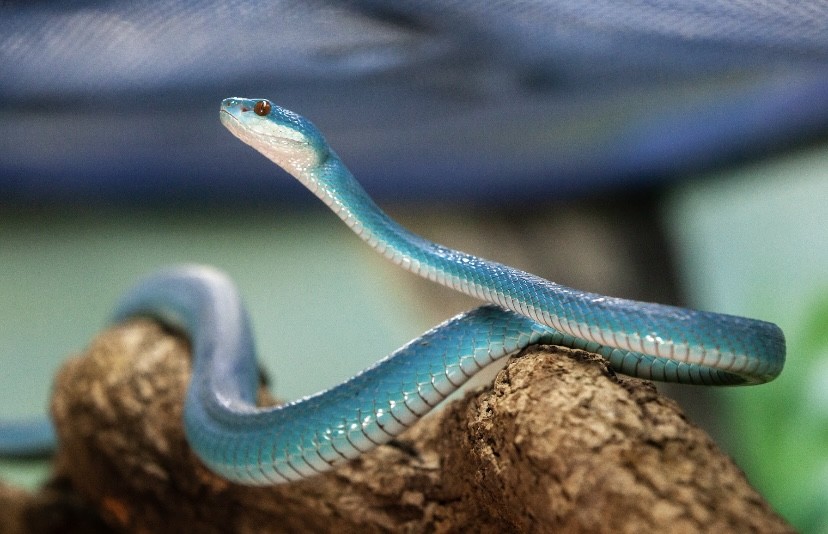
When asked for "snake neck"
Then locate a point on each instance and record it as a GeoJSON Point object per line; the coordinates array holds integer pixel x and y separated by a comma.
{"type": "Point", "coordinates": [334, 184]}
{"type": "Point", "coordinates": [493, 282]}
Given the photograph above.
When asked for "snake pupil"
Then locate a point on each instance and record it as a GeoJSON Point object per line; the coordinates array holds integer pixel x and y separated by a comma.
{"type": "Point", "coordinates": [262, 108]}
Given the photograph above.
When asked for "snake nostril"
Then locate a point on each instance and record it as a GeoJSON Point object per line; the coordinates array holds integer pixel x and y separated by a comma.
{"type": "Point", "coordinates": [245, 109]}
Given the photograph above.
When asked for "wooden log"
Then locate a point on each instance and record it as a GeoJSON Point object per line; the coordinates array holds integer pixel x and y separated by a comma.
{"type": "Point", "coordinates": [558, 443]}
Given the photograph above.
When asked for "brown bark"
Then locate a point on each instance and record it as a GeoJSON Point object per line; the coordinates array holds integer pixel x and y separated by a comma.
{"type": "Point", "coordinates": [558, 443]}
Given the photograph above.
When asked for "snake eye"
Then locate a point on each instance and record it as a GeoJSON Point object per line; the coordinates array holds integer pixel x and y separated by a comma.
{"type": "Point", "coordinates": [262, 108]}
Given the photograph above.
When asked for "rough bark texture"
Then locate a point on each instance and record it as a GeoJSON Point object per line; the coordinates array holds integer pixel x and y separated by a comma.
{"type": "Point", "coordinates": [558, 443]}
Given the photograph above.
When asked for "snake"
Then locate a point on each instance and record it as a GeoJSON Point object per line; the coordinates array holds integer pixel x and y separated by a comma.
{"type": "Point", "coordinates": [255, 445]}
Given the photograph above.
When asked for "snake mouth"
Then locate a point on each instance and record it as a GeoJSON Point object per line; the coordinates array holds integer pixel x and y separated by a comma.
{"type": "Point", "coordinates": [223, 112]}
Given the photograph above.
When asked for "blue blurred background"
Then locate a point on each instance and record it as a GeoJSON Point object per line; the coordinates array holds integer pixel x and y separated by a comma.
{"type": "Point", "coordinates": [668, 151]}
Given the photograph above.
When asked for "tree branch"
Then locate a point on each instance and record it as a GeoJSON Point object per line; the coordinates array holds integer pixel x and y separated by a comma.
{"type": "Point", "coordinates": [558, 443]}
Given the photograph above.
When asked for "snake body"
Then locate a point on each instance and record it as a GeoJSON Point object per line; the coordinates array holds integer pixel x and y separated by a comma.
{"type": "Point", "coordinates": [257, 446]}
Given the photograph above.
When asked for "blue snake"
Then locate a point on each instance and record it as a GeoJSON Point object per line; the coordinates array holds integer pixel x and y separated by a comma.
{"type": "Point", "coordinates": [259, 446]}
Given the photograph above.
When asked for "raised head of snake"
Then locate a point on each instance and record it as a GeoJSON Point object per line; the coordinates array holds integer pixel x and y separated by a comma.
{"type": "Point", "coordinates": [287, 139]}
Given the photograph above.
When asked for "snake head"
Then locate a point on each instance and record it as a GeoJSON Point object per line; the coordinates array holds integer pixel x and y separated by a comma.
{"type": "Point", "coordinates": [289, 140]}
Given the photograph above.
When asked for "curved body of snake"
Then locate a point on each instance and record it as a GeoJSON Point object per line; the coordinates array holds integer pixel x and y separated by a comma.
{"type": "Point", "coordinates": [255, 445]}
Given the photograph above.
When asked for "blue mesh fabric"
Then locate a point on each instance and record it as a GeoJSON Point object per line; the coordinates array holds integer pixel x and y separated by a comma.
{"type": "Point", "coordinates": [118, 100]}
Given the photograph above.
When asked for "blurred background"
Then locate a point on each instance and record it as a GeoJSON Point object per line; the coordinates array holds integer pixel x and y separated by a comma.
{"type": "Point", "coordinates": [671, 151]}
